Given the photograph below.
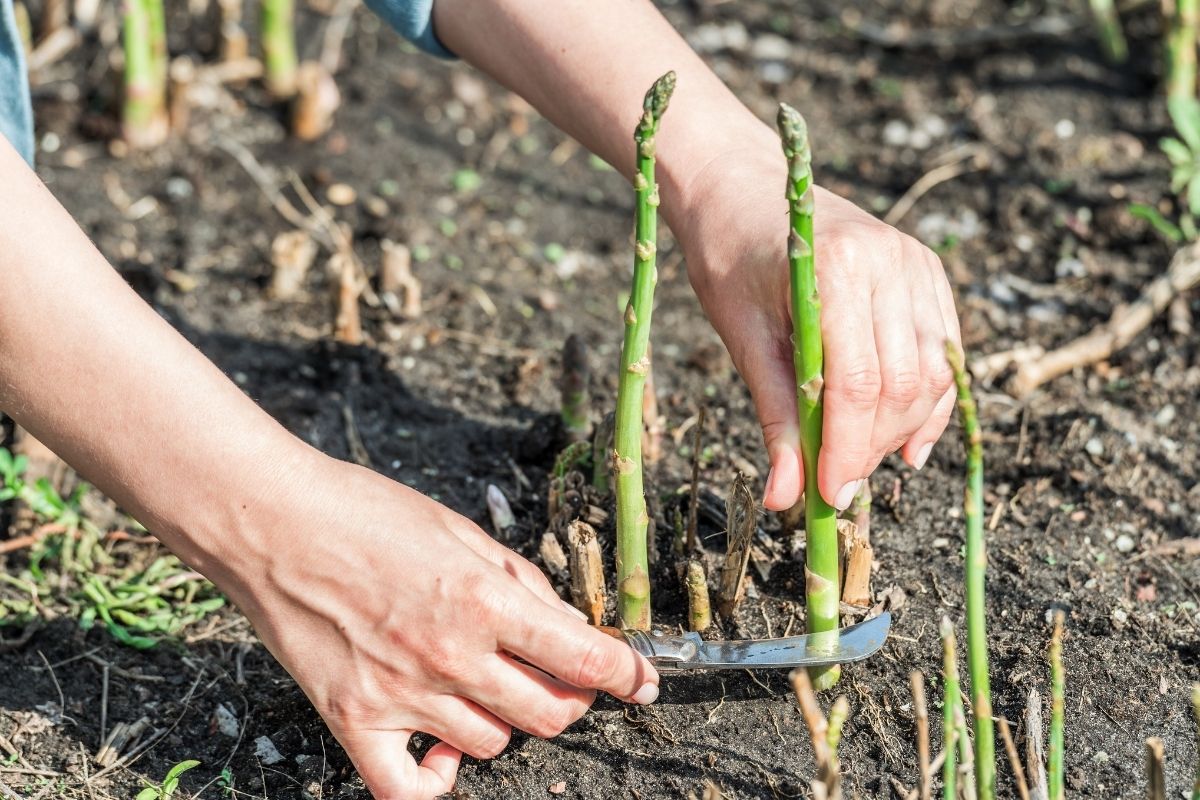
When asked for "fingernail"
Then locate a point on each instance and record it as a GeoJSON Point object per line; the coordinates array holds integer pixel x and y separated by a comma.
{"type": "Point", "coordinates": [574, 610]}
{"type": "Point", "coordinates": [646, 695]}
{"type": "Point", "coordinates": [923, 456]}
{"type": "Point", "coordinates": [770, 484]}
{"type": "Point", "coordinates": [845, 495]}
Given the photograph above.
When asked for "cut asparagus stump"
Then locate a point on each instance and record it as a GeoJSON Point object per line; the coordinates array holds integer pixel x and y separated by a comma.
{"type": "Point", "coordinates": [633, 576]}
{"type": "Point", "coordinates": [820, 522]}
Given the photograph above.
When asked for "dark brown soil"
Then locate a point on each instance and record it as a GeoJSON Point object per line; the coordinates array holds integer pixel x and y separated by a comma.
{"type": "Point", "coordinates": [465, 396]}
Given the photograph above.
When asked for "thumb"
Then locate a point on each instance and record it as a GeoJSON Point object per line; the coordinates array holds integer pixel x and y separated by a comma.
{"type": "Point", "coordinates": [770, 375]}
{"type": "Point", "coordinates": [390, 771]}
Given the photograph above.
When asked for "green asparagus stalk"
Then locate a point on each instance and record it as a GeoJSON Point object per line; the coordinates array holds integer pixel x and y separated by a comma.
{"type": "Point", "coordinates": [1181, 50]}
{"type": "Point", "coordinates": [699, 607]}
{"type": "Point", "coordinates": [1196, 712]}
{"type": "Point", "coordinates": [820, 520]}
{"type": "Point", "coordinates": [1108, 30]}
{"type": "Point", "coordinates": [633, 576]}
{"type": "Point", "coordinates": [951, 701]}
{"type": "Point", "coordinates": [976, 567]}
{"type": "Point", "coordinates": [279, 47]}
{"type": "Point", "coordinates": [158, 43]}
{"type": "Point", "coordinates": [143, 116]}
{"type": "Point", "coordinates": [1054, 756]}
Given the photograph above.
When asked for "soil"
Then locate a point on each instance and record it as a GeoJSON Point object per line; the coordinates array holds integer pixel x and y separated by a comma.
{"type": "Point", "coordinates": [1085, 479]}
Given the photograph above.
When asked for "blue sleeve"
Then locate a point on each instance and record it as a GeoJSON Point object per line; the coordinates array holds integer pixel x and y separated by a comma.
{"type": "Point", "coordinates": [16, 116]}
{"type": "Point", "coordinates": [413, 19]}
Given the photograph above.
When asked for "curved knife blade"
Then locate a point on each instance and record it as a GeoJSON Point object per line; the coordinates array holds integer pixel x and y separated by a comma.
{"type": "Point", "coordinates": [673, 653]}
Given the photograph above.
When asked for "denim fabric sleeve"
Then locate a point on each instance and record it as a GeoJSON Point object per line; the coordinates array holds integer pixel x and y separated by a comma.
{"type": "Point", "coordinates": [16, 116]}
{"type": "Point", "coordinates": [413, 19]}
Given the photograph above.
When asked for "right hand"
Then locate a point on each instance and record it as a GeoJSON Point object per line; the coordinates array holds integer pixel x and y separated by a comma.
{"type": "Point", "coordinates": [396, 616]}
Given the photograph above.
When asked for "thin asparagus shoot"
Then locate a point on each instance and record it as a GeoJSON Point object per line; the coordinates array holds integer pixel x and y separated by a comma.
{"type": "Point", "coordinates": [1108, 30]}
{"type": "Point", "coordinates": [976, 568]}
{"type": "Point", "coordinates": [951, 702]}
{"type": "Point", "coordinates": [838, 715]}
{"type": "Point", "coordinates": [916, 681]}
{"type": "Point", "coordinates": [820, 522]}
{"type": "Point", "coordinates": [1181, 51]}
{"type": "Point", "coordinates": [279, 47]}
{"type": "Point", "coordinates": [633, 575]}
{"type": "Point", "coordinates": [1196, 713]}
{"type": "Point", "coordinates": [1054, 756]}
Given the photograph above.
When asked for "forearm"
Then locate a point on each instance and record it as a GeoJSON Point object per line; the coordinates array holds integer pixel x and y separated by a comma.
{"type": "Point", "coordinates": [586, 66]}
{"type": "Point", "coordinates": [92, 371]}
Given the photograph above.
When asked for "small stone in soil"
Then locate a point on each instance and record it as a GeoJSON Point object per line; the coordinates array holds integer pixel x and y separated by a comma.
{"type": "Point", "coordinates": [1124, 543]}
{"type": "Point", "coordinates": [266, 752]}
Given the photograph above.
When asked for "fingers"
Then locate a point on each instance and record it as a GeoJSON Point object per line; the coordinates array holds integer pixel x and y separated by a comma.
{"type": "Point", "coordinates": [853, 382]}
{"type": "Point", "coordinates": [578, 654]}
{"type": "Point", "coordinates": [770, 374]}
{"type": "Point", "coordinates": [528, 698]}
{"type": "Point", "coordinates": [529, 576]}
{"type": "Point", "coordinates": [917, 449]}
{"type": "Point", "coordinates": [465, 726]}
{"type": "Point", "coordinates": [390, 771]}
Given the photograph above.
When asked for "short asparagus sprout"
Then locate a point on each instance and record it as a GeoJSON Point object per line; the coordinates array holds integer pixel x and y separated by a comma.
{"type": "Point", "coordinates": [279, 47]}
{"type": "Point", "coordinates": [822, 589]}
{"type": "Point", "coordinates": [1054, 756]}
{"type": "Point", "coordinates": [976, 567]}
{"type": "Point", "coordinates": [576, 411]}
{"type": "Point", "coordinates": [602, 448]}
{"type": "Point", "coordinates": [838, 714]}
{"type": "Point", "coordinates": [633, 570]}
{"type": "Point", "coordinates": [699, 606]}
{"type": "Point", "coordinates": [499, 510]}
{"type": "Point", "coordinates": [144, 113]}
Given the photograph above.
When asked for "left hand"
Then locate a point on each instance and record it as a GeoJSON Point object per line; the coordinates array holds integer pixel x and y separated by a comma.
{"type": "Point", "coordinates": [886, 314]}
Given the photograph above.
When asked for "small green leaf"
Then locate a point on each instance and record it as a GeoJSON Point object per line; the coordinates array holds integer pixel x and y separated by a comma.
{"type": "Point", "coordinates": [1165, 228]}
{"type": "Point", "coordinates": [180, 768]}
{"type": "Point", "coordinates": [149, 793]}
{"type": "Point", "coordinates": [1193, 195]}
{"type": "Point", "coordinates": [1187, 224]}
{"type": "Point", "coordinates": [1185, 114]}
{"type": "Point", "coordinates": [1177, 152]}
{"type": "Point", "coordinates": [466, 180]}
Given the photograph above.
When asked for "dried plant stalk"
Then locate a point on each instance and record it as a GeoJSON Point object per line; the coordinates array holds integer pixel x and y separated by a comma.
{"type": "Point", "coordinates": [587, 571]}
{"type": "Point", "coordinates": [292, 254]}
{"type": "Point", "coordinates": [741, 515]}
{"type": "Point", "coordinates": [916, 680]}
{"type": "Point", "coordinates": [397, 280]}
{"type": "Point", "coordinates": [1155, 772]}
{"type": "Point", "coordinates": [347, 326]}
{"type": "Point", "coordinates": [1014, 759]}
{"type": "Point", "coordinates": [554, 559]}
{"type": "Point", "coordinates": [856, 569]}
{"type": "Point", "coordinates": [1035, 756]}
{"type": "Point", "coordinates": [317, 100]}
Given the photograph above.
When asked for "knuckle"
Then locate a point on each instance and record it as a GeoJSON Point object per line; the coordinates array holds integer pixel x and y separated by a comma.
{"type": "Point", "coordinates": [901, 387]}
{"type": "Point", "coordinates": [493, 744]}
{"type": "Point", "coordinates": [487, 602]}
{"type": "Point", "coordinates": [857, 388]}
{"type": "Point", "coordinates": [597, 665]}
{"type": "Point", "coordinates": [776, 430]}
{"type": "Point", "coordinates": [554, 721]}
{"type": "Point", "coordinates": [940, 378]}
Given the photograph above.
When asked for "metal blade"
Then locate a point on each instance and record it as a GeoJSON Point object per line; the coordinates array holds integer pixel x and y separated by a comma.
{"type": "Point", "coordinates": [811, 650]}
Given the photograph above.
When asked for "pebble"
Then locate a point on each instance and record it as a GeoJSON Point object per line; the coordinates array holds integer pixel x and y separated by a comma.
{"type": "Point", "coordinates": [266, 752]}
{"type": "Point", "coordinates": [770, 47]}
{"type": "Point", "coordinates": [1120, 617]}
{"type": "Point", "coordinates": [941, 542]}
{"type": "Point", "coordinates": [1064, 129]}
{"type": "Point", "coordinates": [1024, 242]}
{"type": "Point", "coordinates": [1124, 543]}
{"type": "Point", "coordinates": [179, 188]}
{"type": "Point", "coordinates": [341, 194]}
{"type": "Point", "coordinates": [1070, 268]}
{"type": "Point", "coordinates": [895, 133]}
{"type": "Point", "coordinates": [1094, 446]}
{"type": "Point", "coordinates": [226, 720]}
{"type": "Point", "coordinates": [774, 72]}
{"type": "Point", "coordinates": [710, 37]}
{"type": "Point", "coordinates": [1165, 416]}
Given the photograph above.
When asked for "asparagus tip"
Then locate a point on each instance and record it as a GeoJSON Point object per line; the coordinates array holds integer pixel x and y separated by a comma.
{"type": "Point", "coordinates": [794, 132]}
{"type": "Point", "coordinates": [659, 95]}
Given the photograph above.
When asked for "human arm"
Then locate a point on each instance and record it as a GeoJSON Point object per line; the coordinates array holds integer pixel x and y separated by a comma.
{"type": "Point", "coordinates": [393, 613]}
{"type": "Point", "coordinates": [887, 306]}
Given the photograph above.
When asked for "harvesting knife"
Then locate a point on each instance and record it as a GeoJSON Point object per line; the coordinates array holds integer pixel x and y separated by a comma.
{"type": "Point", "coordinates": [669, 653]}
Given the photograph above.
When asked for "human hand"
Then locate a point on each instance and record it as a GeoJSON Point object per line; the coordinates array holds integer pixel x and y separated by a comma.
{"type": "Point", "coordinates": [886, 313]}
{"type": "Point", "coordinates": [396, 616]}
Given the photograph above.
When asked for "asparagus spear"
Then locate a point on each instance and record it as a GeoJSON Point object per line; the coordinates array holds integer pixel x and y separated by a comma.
{"type": "Point", "coordinates": [633, 577]}
{"type": "Point", "coordinates": [143, 116]}
{"type": "Point", "coordinates": [1181, 50]}
{"type": "Point", "coordinates": [820, 521]}
{"type": "Point", "coordinates": [573, 385]}
{"type": "Point", "coordinates": [1054, 757]}
{"type": "Point", "coordinates": [699, 607]}
{"type": "Point", "coordinates": [951, 701]}
{"type": "Point", "coordinates": [976, 566]}
{"type": "Point", "coordinates": [1108, 29]}
{"type": "Point", "coordinates": [279, 47]}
